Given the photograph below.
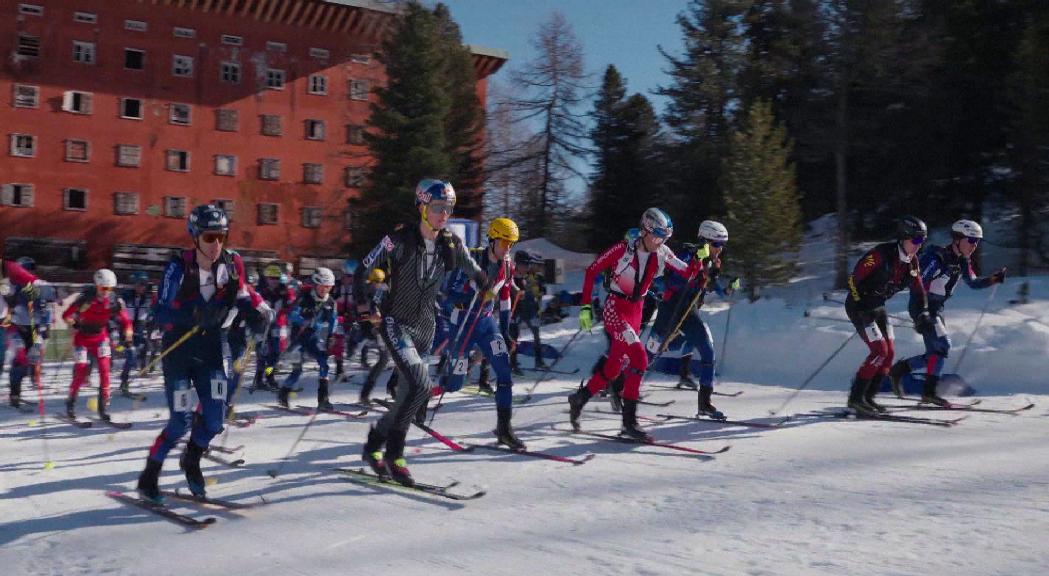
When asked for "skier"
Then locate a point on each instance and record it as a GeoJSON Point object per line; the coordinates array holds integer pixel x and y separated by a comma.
{"type": "Point", "coordinates": [242, 327]}
{"type": "Point", "coordinates": [683, 299]}
{"type": "Point", "coordinates": [376, 285]}
{"type": "Point", "coordinates": [89, 315]}
{"type": "Point", "coordinates": [633, 267]}
{"type": "Point", "coordinates": [417, 258]}
{"type": "Point", "coordinates": [200, 288]}
{"type": "Point", "coordinates": [942, 267]}
{"type": "Point", "coordinates": [312, 321]}
{"type": "Point", "coordinates": [880, 273]}
{"type": "Point", "coordinates": [20, 294]}
{"type": "Point", "coordinates": [347, 335]}
{"type": "Point", "coordinates": [476, 326]}
{"type": "Point", "coordinates": [280, 298]}
{"type": "Point", "coordinates": [140, 301]}
{"type": "Point", "coordinates": [527, 266]}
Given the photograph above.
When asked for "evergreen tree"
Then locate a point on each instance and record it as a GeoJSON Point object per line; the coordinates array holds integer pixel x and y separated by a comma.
{"type": "Point", "coordinates": [764, 212]}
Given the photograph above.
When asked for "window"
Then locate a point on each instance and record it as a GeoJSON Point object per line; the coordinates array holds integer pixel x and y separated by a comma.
{"type": "Point", "coordinates": [31, 9]}
{"type": "Point", "coordinates": [178, 160]}
{"type": "Point", "coordinates": [361, 58]}
{"type": "Point", "coordinates": [131, 108]}
{"type": "Point", "coordinates": [225, 165]}
{"type": "Point", "coordinates": [74, 199]}
{"type": "Point", "coordinates": [319, 53]}
{"type": "Point", "coordinates": [134, 59]}
{"type": "Point", "coordinates": [315, 129]}
{"type": "Point", "coordinates": [354, 176]}
{"type": "Point", "coordinates": [318, 84]}
{"type": "Point", "coordinates": [17, 195]}
{"type": "Point", "coordinates": [268, 214]}
{"type": "Point", "coordinates": [359, 89]}
{"type": "Point", "coordinates": [28, 45]}
{"type": "Point", "coordinates": [271, 125]}
{"type": "Point", "coordinates": [231, 40]}
{"type": "Point", "coordinates": [78, 151]}
{"type": "Point", "coordinates": [354, 134]}
{"type": "Point", "coordinates": [313, 173]}
{"type": "Point", "coordinates": [274, 79]}
{"type": "Point", "coordinates": [23, 145]}
{"type": "Point", "coordinates": [83, 52]}
{"type": "Point", "coordinates": [347, 219]}
{"type": "Point", "coordinates": [179, 32]}
{"type": "Point", "coordinates": [227, 206]}
{"type": "Point", "coordinates": [311, 217]}
{"type": "Point", "coordinates": [77, 102]}
{"type": "Point", "coordinates": [229, 72]}
{"type": "Point", "coordinates": [182, 65]}
{"type": "Point", "coordinates": [175, 206]}
{"type": "Point", "coordinates": [135, 25]}
{"type": "Point", "coordinates": [129, 155]}
{"type": "Point", "coordinates": [276, 46]}
{"type": "Point", "coordinates": [125, 203]}
{"type": "Point", "coordinates": [26, 96]}
{"type": "Point", "coordinates": [226, 120]}
{"type": "Point", "coordinates": [269, 169]}
{"type": "Point", "coordinates": [180, 114]}
{"type": "Point", "coordinates": [85, 17]}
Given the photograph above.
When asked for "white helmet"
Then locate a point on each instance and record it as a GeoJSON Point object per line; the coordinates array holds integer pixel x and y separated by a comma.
{"type": "Point", "coordinates": [967, 228]}
{"type": "Point", "coordinates": [323, 277]}
{"type": "Point", "coordinates": [105, 278]}
{"type": "Point", "coordinates": [656, 222]}
{"type": "Point", "coordinates": [713, 231]}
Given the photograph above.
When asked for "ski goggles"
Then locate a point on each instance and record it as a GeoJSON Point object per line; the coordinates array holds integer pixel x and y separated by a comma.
{"type": "Point", "coordinates": [973, 241]}
{"type": "Point", "coordinates": [441, 208]}
{"type": "Point", "coordinates": [104, 289]}
{"type": "Point", "coordinates": [917, 240]}
{"type": "Point", "coordinates": [717, 244]}
{"type": "Point", "coordinates": [212, 237]}
{"type": "Point", "coordinates": [661, 233]}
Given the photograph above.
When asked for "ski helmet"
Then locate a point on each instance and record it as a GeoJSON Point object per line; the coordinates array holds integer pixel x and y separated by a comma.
{"type": "Point", "coordinates": [253, 276]}
{"type": "Point", "coordinates": [967, 228]}
{"type": "Point", "coordinates": [376, 276]}
{"type": "Point", "coordinates": [349, 266]}
{"type": "Point", "coordinates": [504, 229]}
{"type": "Point", "coordinates": [429, 190]}
{"type": "Point", "coordinates": [105, 278]}
{"type": "Point", "coordinates": [272, 271]}
{"type": "Point", "coordinates": [911, 227]}
{"type": "Point", "coordinates": [656, 222]}
{"type": "Point", "coordinates": [323, 277]}
{"type": "Point", "coordinates": [712, 231]}
{"type": "Point", "coordinates": [207, 218]}
{"type": "Point", "coordinates": [139, 277]}
{"type": "Point", "coordinates": [26, 262]}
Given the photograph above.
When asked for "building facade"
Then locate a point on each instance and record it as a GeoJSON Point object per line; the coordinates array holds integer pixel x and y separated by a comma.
{"type": "Point", "coordinates": [123, 115]}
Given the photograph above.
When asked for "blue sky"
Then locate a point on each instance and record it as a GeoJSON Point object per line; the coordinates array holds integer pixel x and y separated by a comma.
{"type": "Point", "coordinates": [621, 32]}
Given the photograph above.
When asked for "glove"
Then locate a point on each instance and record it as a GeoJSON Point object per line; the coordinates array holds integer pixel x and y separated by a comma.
{"type": "Point", "coordinates": [30, 291]}
{"type": "Point", "coordinates": [922, 322]}
{"type": "Point", "coordinates": [586, 318]}
{"type": "Point", "coordinates": [735, 284]}
{"type": "Point", "coordinates": [129, 337]}
{"type": "Point", "coordinates": [998, 277]}
{"type": "Point", "coordinates": [703, 251]}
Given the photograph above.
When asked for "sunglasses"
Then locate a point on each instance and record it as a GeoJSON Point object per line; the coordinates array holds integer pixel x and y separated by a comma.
{"type": "Point", "coordinates": [973, 241]}
{"type": "Point", "coordinates": [717, 244]}
{"type": "Point", "coordinates": [103, 288]}
{"type": "Point", "coordinates": [662, 233]}
{"type": "Point", "coordinates": [918, 240]}
{"type": "Point", "coordinates": [211, 237]}
{"type": "Point", "coordinates": [505, 243]}
{"type": "Point", "coordinates": [441, 208]}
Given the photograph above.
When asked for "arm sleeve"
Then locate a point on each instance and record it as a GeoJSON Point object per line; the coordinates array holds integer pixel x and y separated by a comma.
{"type": "Point", "coordinates": [918, 286]}
{"type": "Point", "coordinates": [469, 265]}
{"type": "Point", "coordinates": [870, 261]}
{"type": "Point", "coordinates": [970, 277]}
{"type": "Point", "coordinates": [168, 315]}
{"type": "Point", "coordinates": [606, 260]}
{"type": "Point", "coordinates": [69, 312]}
{"type": "Point", "coordinates": [382, 251]}
{"type": "Point", "coordinates": [123, 318]}
{"type": "Point", "coordinates": [17, 274]}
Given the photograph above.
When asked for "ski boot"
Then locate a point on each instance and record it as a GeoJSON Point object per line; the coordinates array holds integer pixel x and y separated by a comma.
{"type": "Point", "coordinates": [420, 414]}
{"type": "Point", "coordinates": [504, 432]}
{"type": "Point", "coordinates": [71, 407]}
{"type": "Point", "coordinates": [372, 453]}
{"type": "Point", "coordinates": [857, 403]}
{"type": "Point", "coordinates": [896, 374]}
{"type": "Point", "coordinates": [576, 401]}
{"type": "Point", "coordinates": [14, 400]}
{"type": "Point", "coordinates": [929, 395]}
{"type": "Point", "coordinates": [103, 413]}
{"type": "Point", "coordinates": [630, 429]}
{"type": "Point", "coordinates": [515, 368]}
{"type": "Point", "coordinates": [282, 396]}
{"type": "Point", "coordinates": [705, 407]}
{"type": "Point", "coordinates": [125, 386]}
{"type": "Point", "coordinates": [190, 464]}
{"type": "Point", "coordinates": [872, 390]}
{"type": "Point", "coordinates": [323, 403]}
{"type": "Point", "coordinates": [366, 393]}
{"type": "Point", "coordinates": [482, 380]}
{"type": "Point", "coordinates": [685, 380]}
{"type": "Point", "coordinates": [147, 486]}
{"type": "Point", "coordinates": [615, 394]}
{"type": "Point", "coordinates": [395, 461]}
{"type": "Point", "coordinates": [231, 414]}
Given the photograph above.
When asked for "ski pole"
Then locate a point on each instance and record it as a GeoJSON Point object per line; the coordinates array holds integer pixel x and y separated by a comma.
{"type": "Point", "coordinates": [273, 473]}
{"type": "Point", "coordinates": [238, 367]}
{"type": "Point", "coordinates": [542, 375]}
{"type": "Point", "coordinates": [462, 347]}
{"type": "Point", "coordinates": [812, 376]}
{"type": "Point", "coordinates": [986, 305]}
{"type": "Point", "coordinates": [168, 350]}
{"type": "Point", "coordinates": [724, 341]}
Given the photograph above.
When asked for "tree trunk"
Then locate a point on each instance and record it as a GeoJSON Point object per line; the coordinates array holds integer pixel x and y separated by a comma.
{"type": "Point", "coordinates": [841, 145]}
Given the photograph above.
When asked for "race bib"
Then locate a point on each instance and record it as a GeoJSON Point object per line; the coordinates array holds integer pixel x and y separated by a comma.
{"type": "Point", "coordinates": [941, 329]}
{"type": "Point", "coordinates": [653, 345]}
{"type": "Point", "coordinates": [80, 355]}
{"type": "Point", "coordinates": [629, 336]}
{"type": "Point", "coordinates": [461, 366]}
{"type": "Point", "coordinates": [218, 388]}
{"type": "Point", "coordinates": [498, 346]}
{"type": "Point", "coordinates": [180, 400]}
{"type": "Point", "coordinates": [889, 332]}
{"type": "Point", "coordinates": [872, 332]}
{"type": "Point", "coordinates": [104, 351]}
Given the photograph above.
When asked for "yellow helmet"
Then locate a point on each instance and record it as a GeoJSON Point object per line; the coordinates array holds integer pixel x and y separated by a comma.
{"type": "Point", "coordinates": [272, 271]}
{"type": "Point", "coordinates": [376, 276]}
{"type": "Point", "coordinates": [504, 229]}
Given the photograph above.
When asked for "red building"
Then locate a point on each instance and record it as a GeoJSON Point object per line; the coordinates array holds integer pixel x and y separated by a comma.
{"type": "Point", "coordinates": [125, 114]}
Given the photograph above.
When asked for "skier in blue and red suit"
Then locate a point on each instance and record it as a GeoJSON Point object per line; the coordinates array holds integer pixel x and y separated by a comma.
{"type": "Point", "coordinates": [20, 292]}
{"type": "Point", "coordinates": [200, 289]}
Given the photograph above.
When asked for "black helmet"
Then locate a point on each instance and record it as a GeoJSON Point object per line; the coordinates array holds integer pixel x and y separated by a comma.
{"type": "Point", "coordinates": [207, 218]}
{"type": "Point", "coordinates": [911, 227]}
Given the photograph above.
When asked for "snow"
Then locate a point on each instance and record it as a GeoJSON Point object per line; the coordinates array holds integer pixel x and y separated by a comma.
{"type": "Point", "coordinates": [815, 496]}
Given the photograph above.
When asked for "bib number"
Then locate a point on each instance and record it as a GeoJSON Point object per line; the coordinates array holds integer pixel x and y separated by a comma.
{"type": "Point", "coordinates": [80, 355]}
{"type": "Point", "coordinates": [218, 388]}
{"type": "Point", "coordinates": [629, 336]}
{"type": "Point", "coordinates": [872, 332]}
{"type": "Point", "coordinates": [180, 400]}
{"type": "Point", "coordinates": [498, 346]}
{"type": "Point", "coordinates": [653, 345]}
{"type": "Point", "coordinates": [104, 351]}
{"type": "Point", "coordinates": [460, 366]}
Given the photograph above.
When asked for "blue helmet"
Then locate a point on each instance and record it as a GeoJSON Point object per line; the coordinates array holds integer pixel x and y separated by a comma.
{"type": "Point", "coordinates": [26, 262]}
{"type": "Point", "coordinates": [429, 190]}
{"type": "Point", "coordinates": [656, 222]}
{"type": "Point", "coordinates": [207, 218]}
{"type": "Point", "coordinates": [349, 266]}
{"type": "Point", "coordinates": [139, 277]}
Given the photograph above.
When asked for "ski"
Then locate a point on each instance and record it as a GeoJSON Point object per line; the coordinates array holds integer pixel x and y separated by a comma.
{"type": "Point", "coordinates": [476, 391]}
{"type": "Point", "coordinates": [433, 433]}
{"type": "Point", "coordinates": [73, 421]}
{"type": "Point", "coordinates": [117, 425]}
{"type": "Point", "coordinates": [367, 478]}
{"type": "Point", "coordinates": [898, 418]}
{"type": "Point", "coordinates": [343, 413]}
{"type": "Point", "coordinates": [23, 408]}
{"type": "Point", "coordinates": [371, 406]}
{"type": "Point", "coordinates": [295, 410]}
{"type": "Point", "coordinates": [919, 400]}
{"type": "Point", "coordinates": [162, 510]}
{"type": "Point", "coordinates": [534, 454]}
{"type": "Point", "coordinates": [691, 389]}
{"type": "Point", "coordinates": [656, 443]}
{"type": "Point", "coordinates": [713, 421]}
{"type": "Point", "coordinates": [133, 396]}
{"type": "Point", "coordinates": [657, 404]}
{"type": "Point", "coordinates": [552, 371]}
{"type": "Point", "coordinates": [220, 448]}
{"type": "Point", "coordinates": [209, 501]}
{"type": "Point", "coordinates": [237, 463]}
{"type": "Point", "coordinates": [969, 408]}
{"type": "Point", "coordinates": [242, 421]}
{"type": "Point", "coordinates": [657, 420]}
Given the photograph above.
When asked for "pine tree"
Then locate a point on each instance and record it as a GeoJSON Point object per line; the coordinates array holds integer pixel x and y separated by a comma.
{"type": "Point", "coordinates": [764, 213]}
